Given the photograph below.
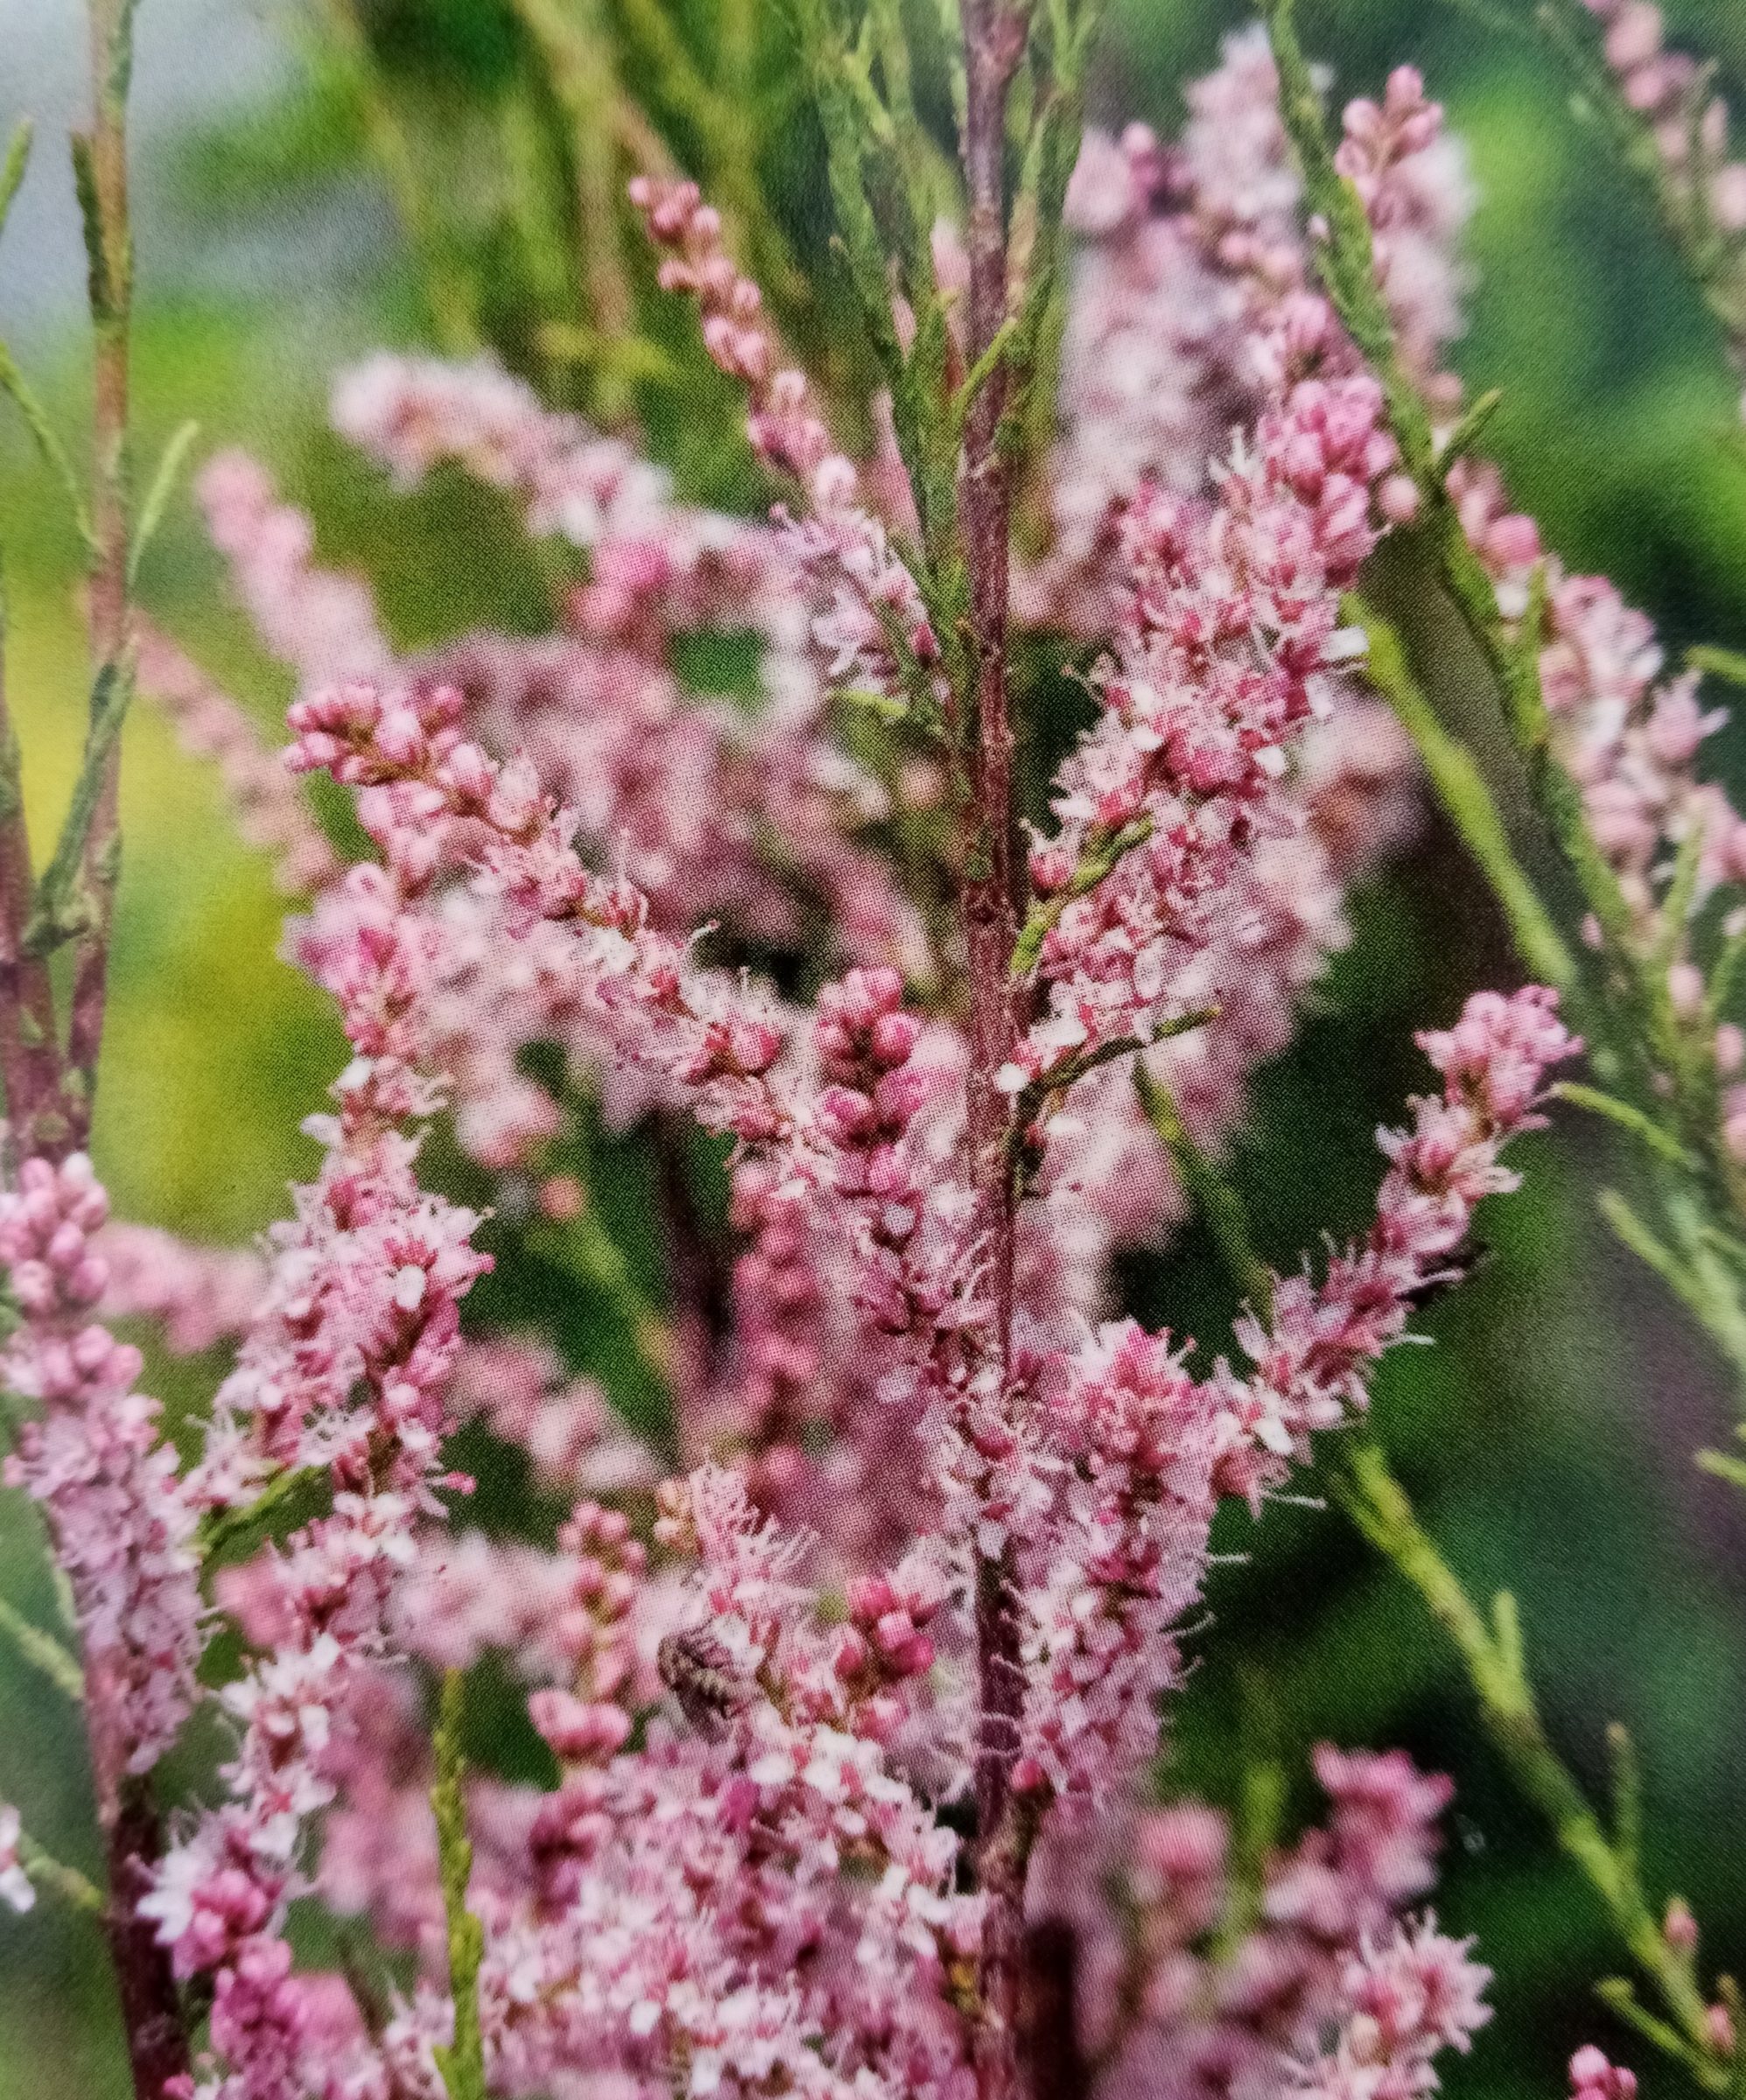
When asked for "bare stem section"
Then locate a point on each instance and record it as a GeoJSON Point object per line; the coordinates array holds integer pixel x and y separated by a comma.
{"type": "Point", "coordinates": [994, 43]}
{"type": "Point", "coordinates": [30, 1049]}
{"type": "Point", "coordinates": [100, 160]}
{"type": "Point", "coordinates": [1492, 1652]}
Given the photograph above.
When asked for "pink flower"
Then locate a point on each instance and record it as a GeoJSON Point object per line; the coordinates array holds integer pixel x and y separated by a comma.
{"type": "Point", "coordinates": [122, 1521]}
{"type": "Point", "coordinates": [1594, 2078]}
{"type": "Point", "coordinates": [16, 1889]}
{"type": "Point", "coordinates": [1416, 1994]}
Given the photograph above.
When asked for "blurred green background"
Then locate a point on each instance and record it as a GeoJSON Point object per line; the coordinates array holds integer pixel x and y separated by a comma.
{"type": "Point", "coordinates": [1549, 1434]}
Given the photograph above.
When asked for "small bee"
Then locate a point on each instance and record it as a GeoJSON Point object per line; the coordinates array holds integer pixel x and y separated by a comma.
{"type": "Point", "coordinates": [1462, 1262]}
{"type": "Point", "coordinates": [698, 1671]}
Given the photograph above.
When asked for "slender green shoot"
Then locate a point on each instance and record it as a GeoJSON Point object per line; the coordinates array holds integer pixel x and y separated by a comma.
{"type": "Point", "coordinates": [462, 2063]}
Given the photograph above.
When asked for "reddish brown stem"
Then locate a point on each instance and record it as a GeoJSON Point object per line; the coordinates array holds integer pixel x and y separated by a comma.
{"type": "Point", "coordinates": [151, 2010]}
{"type": "Point", "coordinates": [29, 1045]}
{"type": "Point", "coordinates": [111, 273]}
{"type": "Point", "coordinates": [1055, 2065]}
{"type": "Point", "coordinates": [151, 2007]}
{"type": "Point", "coordinates": [994, 39]}
{"type": "Point", "coordinates": [1003, 1830]}
{"type": "Point", "coordinates": [699, 1284]}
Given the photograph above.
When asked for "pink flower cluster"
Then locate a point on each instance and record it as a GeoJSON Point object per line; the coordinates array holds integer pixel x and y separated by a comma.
{"type": "Point", "coordinates": [1311, 1358]}
{"type": "Point", "coordinates": [1197, 1981]}
{"type": "Point", "coordinates": [427, 786]}
{"type": "Point", "coordinates": [698, 1031]}
{"type": "Point", "coordinates": [1160, 361]}
{"type": "Point", "coordinates": [674, 793]}
{"type": "Point", "coordinates": [1234, 637]}
{"type": "Point", "coordinates": [414, 414]}
{"type": "Point", "coordinates": [567, 1427]}
{"type": "Point", "coordinates": [198, 1296]}
{"type": "Point", "coordinates": [688, 797]}
{"type": "Point", "coordinates": [874, 624]}
{"type": "Point", "coordinates": [121, 1520]}
{"type": "Point", "coordinates": [681, 1911]}
{"type": "Point", "coordinates": [1112, 1551]}
{"type": "Point", "coordinates": [754, 820]}
{"type": "Point", "coordinates": [361, 1300]}
{"type": "Point", "coordinates": [1411, 177]}
{"type": "Point", "coordinates": [319, 621]}
{"type": "Point", "coordinates": [1194, 256]}
{"type": "Point", "coordinates": [1190, 254]}
{"type": "Point", "coordinates": [1593, 2078]}
{"type": "Point", "coordinates": [1130, 1539]}
{"type": "Point", "coordinates": [1151, 1449]}
{"type": "Point", "coordinates": [271, 813]}
{"type": "Point", "coordinates": [342, 1369]}
{"type": "Point", "coordinates": [342, 1365]}
{"type": "Point", "coordinates": [1401, 2002]}
{"type": "Point", "coordinates": [1629, 735]}
{"type": "Point", "coordinates": [760, 1685]}
{"type": "Point", "coordinates": [913, 1283]}
{"type": "Point", "coordinates": [605, 1565]}
{"type": "Point", "coordinates": [1672, 93]}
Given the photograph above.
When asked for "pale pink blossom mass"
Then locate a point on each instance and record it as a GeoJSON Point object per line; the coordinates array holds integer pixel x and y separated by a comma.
{"type": "Point", "coordinates": [748, 1651]}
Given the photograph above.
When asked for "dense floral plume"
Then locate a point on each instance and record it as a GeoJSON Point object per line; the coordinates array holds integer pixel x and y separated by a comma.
{"type": "Point", "coordinates": [1199, 1980]}
{"type": "Point", "coordinates": [833, 1740]}
{"type": "Point", "coordinates": [122, 1521]}
{"type": "Point", "coordinates": [749, 1652]}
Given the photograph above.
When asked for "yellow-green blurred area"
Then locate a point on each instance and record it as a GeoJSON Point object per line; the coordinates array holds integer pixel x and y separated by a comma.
{"type": "Point", "coordinates": [1549, 1435]}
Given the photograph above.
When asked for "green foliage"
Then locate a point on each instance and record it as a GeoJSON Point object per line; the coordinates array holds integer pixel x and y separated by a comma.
{"type": "Point", "coordinates": [43, 1652]}
{"type": "Point", "coordinates": [62, 912]}
{"type": "Point", "coordinates": [1463, 791]}
{"type": "Point", "coordinates": [462, 2063]}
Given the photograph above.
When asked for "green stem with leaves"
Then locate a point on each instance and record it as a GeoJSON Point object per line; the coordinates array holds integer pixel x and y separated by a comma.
{"type": "Point", "coordinates": [54, 1878]}
{"type": "Point", "coordinates": [450, 302]}
{"type": "Point", "coordinates": [725, 135]}
{"type": "Point", "coordinates": [220, 1528]}
{"type": "Point", "coordinates": [91, 838]}
{"type": "Point", "coordinates": [49, 1089]}
{"type": "Point", "coordinates": [1367, 1489]}
{"type": "Point", "coordinates": [30, 1044]}
{"type": "Point", "coordinates": [1664, 1065]}
{"type": "Point", "coordinates": [43, 1652]}
{"type": "Point", "coordinates": [462, 2063]}
{"type": "Point", "coordinates": [575, 48]}
{"type": "Point", "coordinates": [1491, 1650]}
{"type": "Point", "coordinates": [1467, 800]}
{"type": "Point", "coordinates": [1099, 856]}
{"type": "Point", "coordinates": [584, 1247]}
{"type": "Point", "coordinates": [1715, 259]}
{"type": "Point", "coordinates": [1220, 1207]}
{"type": "Point", "coordinates": [1647, 1029]}
{"type": "Point", "coordinates": [957, 411]}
